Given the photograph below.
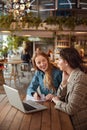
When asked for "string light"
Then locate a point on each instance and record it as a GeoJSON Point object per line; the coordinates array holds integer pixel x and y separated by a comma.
{"type": "Point", "coordinates": [19, 8]}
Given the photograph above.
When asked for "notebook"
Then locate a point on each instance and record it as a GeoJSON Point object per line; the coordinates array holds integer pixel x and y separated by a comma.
{"type": "Point", "coordinates": [24, 106]}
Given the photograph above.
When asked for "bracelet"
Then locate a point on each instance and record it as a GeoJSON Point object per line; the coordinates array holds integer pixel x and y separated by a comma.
{"type": "Point", "coordinates": [61, 87]}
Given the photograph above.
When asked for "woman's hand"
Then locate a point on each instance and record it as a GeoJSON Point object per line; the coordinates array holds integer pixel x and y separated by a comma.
{"type": "Point", "coordinates": [49, 97]}
{"type": "Point", "coordinates": [36, 96]}
{"type": "Point", "coordinates": [55, 99]}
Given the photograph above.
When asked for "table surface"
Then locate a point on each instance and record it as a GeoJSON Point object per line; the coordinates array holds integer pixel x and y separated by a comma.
{"type": "Point", "coordinates": [50, 119]}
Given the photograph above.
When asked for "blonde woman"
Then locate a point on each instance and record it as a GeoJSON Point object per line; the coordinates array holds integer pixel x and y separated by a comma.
{"type": "Point", "coordinates": [47, 77]}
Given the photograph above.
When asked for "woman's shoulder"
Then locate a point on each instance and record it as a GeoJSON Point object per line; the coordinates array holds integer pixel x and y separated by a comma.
{"type": "Point", "coordinates": [81, 82]}
{"type": "Point", "coordinates": [79, 76]}
{"type": "Point", "coordinates": [79, 72]}
{"type": "Point", "coordinates": [83, 76]}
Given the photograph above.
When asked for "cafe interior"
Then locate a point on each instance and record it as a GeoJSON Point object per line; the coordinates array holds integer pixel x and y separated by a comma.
{"type": "Point", "coordinates": [45, 24]}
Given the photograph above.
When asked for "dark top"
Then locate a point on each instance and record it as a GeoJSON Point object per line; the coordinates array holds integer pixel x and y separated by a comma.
{"type": "Point", "coordinates": [25, 57]}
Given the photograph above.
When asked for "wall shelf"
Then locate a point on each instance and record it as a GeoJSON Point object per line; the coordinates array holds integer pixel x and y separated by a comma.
{"type": "Point", "coordinates": [59, 45]}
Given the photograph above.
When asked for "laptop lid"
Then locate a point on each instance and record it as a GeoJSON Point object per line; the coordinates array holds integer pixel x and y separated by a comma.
{"type": "Point", "coordinates": [26, 106]}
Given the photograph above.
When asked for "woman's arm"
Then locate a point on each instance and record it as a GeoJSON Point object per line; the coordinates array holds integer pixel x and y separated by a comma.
{"type": "Point", "coordinates": [57, 78]}
{"type": "Point", "coordinates": [32, 88]}
{"type": "Point", "coordinates": [76, 98]}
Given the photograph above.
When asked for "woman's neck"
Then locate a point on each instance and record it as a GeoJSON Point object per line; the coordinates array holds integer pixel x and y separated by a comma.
{"type": "Point", "coordinates": [69, 70]}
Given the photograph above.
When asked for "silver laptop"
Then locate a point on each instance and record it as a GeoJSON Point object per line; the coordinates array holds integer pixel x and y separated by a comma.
{"type": "Point", "coordinates": [24, 106]}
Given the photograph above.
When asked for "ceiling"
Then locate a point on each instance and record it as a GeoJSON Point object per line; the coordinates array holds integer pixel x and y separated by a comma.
{"type": "Point", "coordinates": [45, 13]}
{"type": "Point", "coordinates": [49, 5]}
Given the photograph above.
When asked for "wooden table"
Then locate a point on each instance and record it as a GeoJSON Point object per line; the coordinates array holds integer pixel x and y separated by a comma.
{"type": "Point", "coordinates": [50, 119]}
{"type": "Point", "coordinates": [14, 70]}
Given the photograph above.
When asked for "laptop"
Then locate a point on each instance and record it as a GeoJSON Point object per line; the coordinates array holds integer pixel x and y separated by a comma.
{"type": "Point", "coordinates": [24, 106]}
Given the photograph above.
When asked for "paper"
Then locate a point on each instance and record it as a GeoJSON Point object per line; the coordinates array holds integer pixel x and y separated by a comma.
{"type": "Point", "coordinates": [33, 99]}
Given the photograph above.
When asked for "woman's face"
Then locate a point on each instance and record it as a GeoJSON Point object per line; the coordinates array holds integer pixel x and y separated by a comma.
{"type": "Point", "coordinates": [62, 64]}
{"type": "Point", "coordinates": [41, 63]}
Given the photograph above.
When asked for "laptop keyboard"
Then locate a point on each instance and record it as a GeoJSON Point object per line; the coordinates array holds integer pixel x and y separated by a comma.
{"type": "Point", "coordinates": [28, 107]}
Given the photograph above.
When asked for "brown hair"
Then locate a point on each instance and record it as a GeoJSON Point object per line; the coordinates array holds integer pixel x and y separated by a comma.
{"type": "Point", "coordinates": [48, 74]}
{"type": "Point", "coordinates": [72, 56]}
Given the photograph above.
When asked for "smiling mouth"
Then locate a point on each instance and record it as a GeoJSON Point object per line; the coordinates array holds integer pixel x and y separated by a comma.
{"type": "Point", "coordinates": [44, 68]}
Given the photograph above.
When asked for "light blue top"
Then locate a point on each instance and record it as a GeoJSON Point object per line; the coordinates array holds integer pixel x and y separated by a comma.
{"type": "Point", "coordinates": [38, 81]}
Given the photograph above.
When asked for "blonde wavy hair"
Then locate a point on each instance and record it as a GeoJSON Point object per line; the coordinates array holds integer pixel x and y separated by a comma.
{"type": "Point", "coordinates": [48, 81]}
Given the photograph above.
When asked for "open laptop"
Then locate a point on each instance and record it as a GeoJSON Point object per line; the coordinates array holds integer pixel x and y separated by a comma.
{"type": "Point", "coordinates": [24, 106]}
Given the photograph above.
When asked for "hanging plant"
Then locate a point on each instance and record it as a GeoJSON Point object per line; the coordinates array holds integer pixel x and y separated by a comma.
{"type": "Point", "coordinates": [31, 20]}
{"type": "Point", "coordinates": [60, 22]}
{"type": "Point", "coordinates": [84, 21]}
{"type": "Point", "coordinates": [51, 20]}
{"type": "Point", "coordinates": [70, 22]}
{"type": "Point", "coordinates": [5, 21]}
{"type": "Point", "coordinates": [55, 21]}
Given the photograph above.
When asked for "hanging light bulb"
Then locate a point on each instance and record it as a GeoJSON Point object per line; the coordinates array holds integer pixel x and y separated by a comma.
{"type": "Point", "coordinates": [19, 7]}
{"type": "Point", "coordinates": [15, 0]}
{"type": "Point", "coordinates": [22, 6]}
{"type": "Point", "coordinates": [28, 4]}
